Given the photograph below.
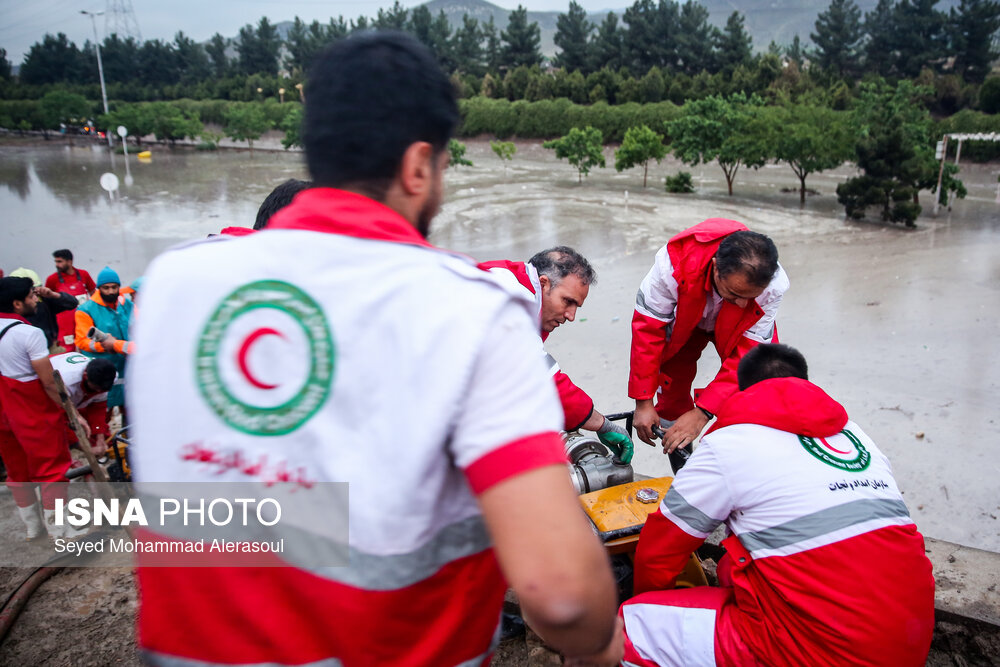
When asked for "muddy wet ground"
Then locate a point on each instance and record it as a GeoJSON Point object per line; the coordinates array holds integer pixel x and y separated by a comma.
{"type": "Point", "coordinates": [899, 325]}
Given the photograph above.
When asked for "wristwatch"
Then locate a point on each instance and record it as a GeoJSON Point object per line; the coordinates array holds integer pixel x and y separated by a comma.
{"type": "Point", "coordinates": [706, 413]}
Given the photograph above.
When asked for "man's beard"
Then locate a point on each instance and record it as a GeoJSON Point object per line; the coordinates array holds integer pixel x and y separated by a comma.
{"type": "Point", "coordinates": [29, 309]}
{"type": "Point", "coordinates": [63, 269]}
{"type": "Point", "coordinates": [110, 298]}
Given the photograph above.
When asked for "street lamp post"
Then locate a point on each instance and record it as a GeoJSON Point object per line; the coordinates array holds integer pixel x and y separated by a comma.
{"type": "Point", "coordinates": [100, 66]}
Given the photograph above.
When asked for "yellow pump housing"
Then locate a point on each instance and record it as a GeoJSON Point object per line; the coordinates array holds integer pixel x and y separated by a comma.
{"type": "Point", "coordinates": [619, 512]}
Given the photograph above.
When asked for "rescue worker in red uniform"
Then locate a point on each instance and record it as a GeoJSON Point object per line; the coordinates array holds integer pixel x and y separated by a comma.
{"type": "Point", "coordinates": [75, 282]}
{"type": "Point", "coordinates": [715, 282]}
{"type": "Point", "coordinates": [559, 280]}
{"type": "Point", "coordinates": [474, 496]}
{"type": "Point", "coordinates": [824, 565]}
{"type": "Point", "coordinates": [33, 435]}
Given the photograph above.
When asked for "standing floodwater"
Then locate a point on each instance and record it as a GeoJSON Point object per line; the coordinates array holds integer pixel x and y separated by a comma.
{"type": "Point", "coordinates": [897, 325]}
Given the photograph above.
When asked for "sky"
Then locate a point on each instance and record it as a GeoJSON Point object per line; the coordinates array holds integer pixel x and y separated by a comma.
{"type": "Point", "coordinates": [26, 22]}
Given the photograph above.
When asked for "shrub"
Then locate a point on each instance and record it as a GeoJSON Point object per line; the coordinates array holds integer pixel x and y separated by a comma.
{"type": "Point", "coordinates": [680, 184]}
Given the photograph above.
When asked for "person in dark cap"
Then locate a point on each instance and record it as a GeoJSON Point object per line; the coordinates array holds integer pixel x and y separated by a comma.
{"type": "Point", "coordinates": [102, 324]}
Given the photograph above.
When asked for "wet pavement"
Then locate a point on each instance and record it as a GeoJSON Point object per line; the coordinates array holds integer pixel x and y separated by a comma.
{"type": "Point", "coordinates": [899, 325]}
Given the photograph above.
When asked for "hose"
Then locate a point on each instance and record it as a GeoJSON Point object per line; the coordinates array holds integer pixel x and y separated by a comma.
{"type": "Point", "coordinates": [18, 598]}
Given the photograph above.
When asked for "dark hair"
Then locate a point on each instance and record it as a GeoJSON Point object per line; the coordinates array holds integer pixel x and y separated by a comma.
{"type": "Point", "coordinates": [368, 98]}
{"type": "Point", "coordinates": [101, 374]}
{"type": "Point", "coordinates": [279, 198]}
{"type": "Point", "coordinates": [14, 289]}
{"type": "Point", "coordinates": [749, 253]}
{"type": "Point", "coordinates": [561, 261]}
{"type": "Point", "coordinates": [63, 254]}
{"type": "Point", "coordinates": [770, 360]}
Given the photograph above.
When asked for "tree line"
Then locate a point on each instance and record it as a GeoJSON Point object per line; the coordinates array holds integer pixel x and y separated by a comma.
{"type": "Point", "coordinates": [660, 50]}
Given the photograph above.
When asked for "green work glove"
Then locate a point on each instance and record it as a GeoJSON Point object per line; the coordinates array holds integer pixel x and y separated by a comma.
{"type": "Point", "coordinates": [616, 439]}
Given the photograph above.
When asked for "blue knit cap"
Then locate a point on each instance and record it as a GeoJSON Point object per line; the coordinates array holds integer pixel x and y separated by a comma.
{"type": "Point", "coordinates": [108, 275]}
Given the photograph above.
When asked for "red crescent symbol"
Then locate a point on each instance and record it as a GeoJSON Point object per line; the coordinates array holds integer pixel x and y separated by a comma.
{"type": "Point", "coordinates": [241, 356]}
{"type": "Point", "coordinates": [832, 448]}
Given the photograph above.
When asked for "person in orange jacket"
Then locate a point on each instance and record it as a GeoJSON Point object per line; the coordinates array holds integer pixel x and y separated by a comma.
{"type": "Point", "coordinates": [102, 324]}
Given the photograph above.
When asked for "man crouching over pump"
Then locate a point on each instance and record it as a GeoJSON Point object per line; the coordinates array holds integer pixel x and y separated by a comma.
{"type": "Point", "coordinates": [824, 565]}
{"type": "Point", "coordinates": [558, 280]}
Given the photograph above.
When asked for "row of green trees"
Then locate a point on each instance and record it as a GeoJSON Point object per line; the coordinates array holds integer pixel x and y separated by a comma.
{"type": "Point", "coordinates": [899, 39]}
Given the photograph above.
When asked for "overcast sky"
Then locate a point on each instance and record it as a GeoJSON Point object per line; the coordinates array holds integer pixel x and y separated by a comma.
{"type": "Point", "coordinates": [26, 21]}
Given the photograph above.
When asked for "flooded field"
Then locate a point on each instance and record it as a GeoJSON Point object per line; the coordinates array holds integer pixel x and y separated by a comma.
{"type": "Point", "coordinates": [896, 324]}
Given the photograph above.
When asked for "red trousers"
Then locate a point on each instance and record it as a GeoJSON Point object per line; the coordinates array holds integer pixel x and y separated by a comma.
{"type": "Point", "coordinates": [674, 396]}
{"type": "Point", "coordinates": [33, 442]}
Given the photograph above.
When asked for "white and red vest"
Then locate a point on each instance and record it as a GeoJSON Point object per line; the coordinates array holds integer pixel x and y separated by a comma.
{"type": "Point", "coordinates": [673, 300]}
{"type": "Point", "coordinates": [339, 344]}
{"type": "Point", "coordinates": [520, 276]}
{"type": "Point", "coordinates": [828, 566]}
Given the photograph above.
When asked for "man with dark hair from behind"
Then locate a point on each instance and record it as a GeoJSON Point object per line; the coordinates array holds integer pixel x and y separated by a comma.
{"type": "Point", "coordinates": [279, 198]}
{"type": "Point", "coordinates": [818, 538]}
{"type": "Point", "coordinates": [427, 398]}
{"type": "Point", "coordinates": [716, 282]}
{"type": "Point", "coordinates": [558, 280]}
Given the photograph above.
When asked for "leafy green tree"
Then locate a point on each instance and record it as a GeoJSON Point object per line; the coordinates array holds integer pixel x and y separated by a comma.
{"type": "Point", "coordinates": [505, 150]}
{"type": "Point", "coordinates": [572, 33]}
{"type": "Point", "coordinates": [989, 95]}
{"type": "Point", "coordinates": [733, 44]}
{"type": "Point", "coordinates": [795, 52]}
{"type": "Point", "coordinates": [457, 150]}
{"type": "Point", "coordinates": [157, 64]}
{"type": "Point", "coordinates": [516, 83]}
{"type": "Point", "coordinates": [493, 49]}
{"type": "Point", "coordinates": [919, 36]}
{"type": "Point", "coordinates": [651, 37]}
{"type": "Point", "coordinates": [246, 122]}
{"type": "Point", "coordinates": [134, 117]}
{"type": "Point", "coordinates": [258, 48]}
{"type": "Point", "coordinates": [392, 19]}
{"type": "Point", "coordinates": [521, 41]}
{"type": "Point", "coordinates": [169, 123]}
{"type": "Point", "coordinates": [468, 46]}
{"type": "Point", "coordinates": [950, 186]}
{"type": "Point", "coordinates": [641, 145]}
{"type": "Point", "coordinates": [893, 152]}
{"type": "Point", "coordinates": [5, 68]}
{"type": "Point", "coordinates": [581, 148]}
{"type": "Point", "coordinates": [53, 60]}
{"type": "Point", "coordinates": [718, 128]}
{"type": "Point", "coordinates": [292, 127]}
{"type": "Point", "coordinates": [60, 106]}
{"type": "Point", "coordinates": [838, 38]}
{"type": "Point", "coordinates": [880, 38]}
{"type": "Point", "coordinates": [119, 58]}
{"type": "Point", "coordinates": [607, 45]}
{"type": "Point", "coordinates": [441, 42]}
{"type": "Point", "coordinates": [972, 28]}
{"type": "Point", "coordinates": [809, 138]}
{"type": "Point", "coordinates": [304, 41]}
{"type": "Point", "coordinates": [652, 86]}
{"type": "Point", "coordinates": [216, 49]}
{"type": "Point", "coordinates": [695, 39]}
{"type": "Point", "coordinates": [191, 59]}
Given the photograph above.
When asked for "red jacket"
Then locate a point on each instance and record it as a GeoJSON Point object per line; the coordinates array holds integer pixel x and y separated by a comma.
{"type": "Point", "coordinates": [77, 285]}
{"type": "Point", "coordinates": [828, 567]}
{"type": "Point", "coordinates": [577, 405]}
{"type": "Point", "coordinates": [691, 253]}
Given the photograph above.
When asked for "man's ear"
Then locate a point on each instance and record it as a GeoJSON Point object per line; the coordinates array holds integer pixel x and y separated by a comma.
{"type": "Point", "coordinates": [544, 281]}
{"type": "Point", "coordinates": [416, 170]}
